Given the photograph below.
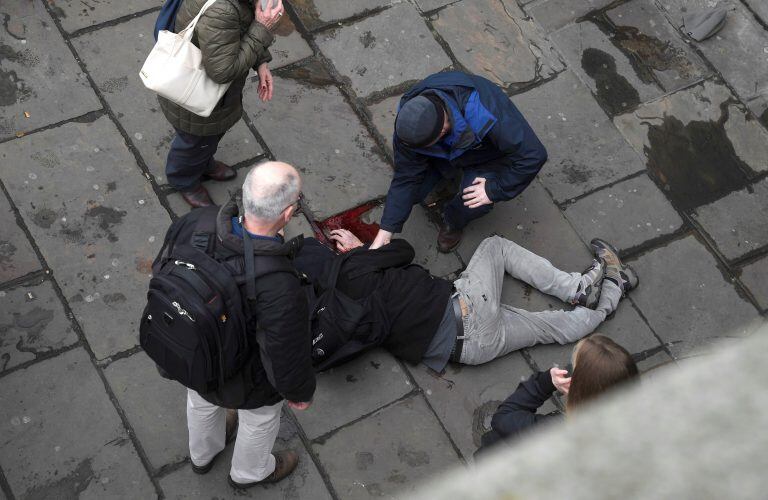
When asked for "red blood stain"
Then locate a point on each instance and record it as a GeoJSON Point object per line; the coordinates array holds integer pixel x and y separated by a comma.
{"type": "Point", "coordinates": [351, 221]}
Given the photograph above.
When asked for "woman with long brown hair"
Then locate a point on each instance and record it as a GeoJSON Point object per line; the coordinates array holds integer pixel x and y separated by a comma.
{"type": "Point", "coordinates": [599, 364]}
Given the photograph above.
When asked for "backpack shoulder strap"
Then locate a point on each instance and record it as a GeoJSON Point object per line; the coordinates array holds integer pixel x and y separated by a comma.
{"type": "Point", "coordinates": [204, 233]}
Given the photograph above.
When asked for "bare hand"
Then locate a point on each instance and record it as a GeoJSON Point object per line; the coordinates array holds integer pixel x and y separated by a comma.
{"type": "Point", "coordinates": [270, 17]}
{"type": "Point", "coordinates": [475, 195]}
{"type": "Point", "coordinates": [560, 379]}
{"type": "Point", "coordinates": [382, 238]}
{"type": "Point", "coordinates": [299, 406]}
{"type": "Point", "coordinates": [345, 240]}
{"type": "Point", "coordinates": [266, 84]}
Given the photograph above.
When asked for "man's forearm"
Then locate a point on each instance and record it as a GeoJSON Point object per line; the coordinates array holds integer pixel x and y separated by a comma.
{"type": "Point", "coordinates": [383, 237]}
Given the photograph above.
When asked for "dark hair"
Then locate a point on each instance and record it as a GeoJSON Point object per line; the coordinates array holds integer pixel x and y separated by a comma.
{"type": "Point", "coordinates": [599, 364]}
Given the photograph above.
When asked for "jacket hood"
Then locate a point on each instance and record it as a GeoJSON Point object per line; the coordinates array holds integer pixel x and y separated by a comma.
{"type": "Point", "coordinates": [260, 247]}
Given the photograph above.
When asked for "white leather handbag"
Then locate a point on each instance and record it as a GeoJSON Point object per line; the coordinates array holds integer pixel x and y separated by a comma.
{"type": "Point", "coordinates": [174, 69]}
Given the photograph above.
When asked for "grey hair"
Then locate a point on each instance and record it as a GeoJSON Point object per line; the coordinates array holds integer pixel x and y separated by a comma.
{"type": "Point", "coordinates": [267, 200]}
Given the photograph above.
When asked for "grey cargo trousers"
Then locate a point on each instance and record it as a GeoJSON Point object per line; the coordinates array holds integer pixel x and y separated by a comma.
{"type": "Point", "coordinates": [493, 329]}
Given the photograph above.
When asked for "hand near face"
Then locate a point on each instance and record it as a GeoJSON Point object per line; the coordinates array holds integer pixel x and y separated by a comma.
{"type": "Point", "coordinates": [271, 16]}
{"type": "Point", "coordinates": [475, 196]}
{"type": "Point", "coordinates": [345, 240]}
{"type": "Point", "coordinates": [266, 84]}
{"type": "Point", "coordinates": [560, 379]}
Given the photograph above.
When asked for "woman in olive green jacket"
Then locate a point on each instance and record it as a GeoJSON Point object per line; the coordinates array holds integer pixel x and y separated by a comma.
{"type": "Point", "coordinates": [233, 36]}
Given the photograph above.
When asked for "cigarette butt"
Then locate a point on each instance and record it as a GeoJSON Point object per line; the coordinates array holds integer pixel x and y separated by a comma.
{"type": "Point", "coordinates": [19, 134]}
{"type": "Point", "coordinates": [26, 114]}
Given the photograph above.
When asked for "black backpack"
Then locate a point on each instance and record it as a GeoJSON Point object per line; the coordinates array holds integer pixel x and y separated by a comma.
{"type": "Point", "coordinates": [343, 328]}
{"type": "Point", "coordinates": [194, 326]}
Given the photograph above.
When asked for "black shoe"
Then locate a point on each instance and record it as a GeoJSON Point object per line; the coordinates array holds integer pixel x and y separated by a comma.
{"type": "Point", "coordinates": [285, 462]}
{"type": "Point", "coordinates": [204, 469]}
{"type": "Point", "coordinates": [447, 238]}
{"type": "Point", "coordinates": [615, 270]}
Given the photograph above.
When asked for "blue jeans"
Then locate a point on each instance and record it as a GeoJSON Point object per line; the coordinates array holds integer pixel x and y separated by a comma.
{"type": "Point", "coordinates": [189, 158]}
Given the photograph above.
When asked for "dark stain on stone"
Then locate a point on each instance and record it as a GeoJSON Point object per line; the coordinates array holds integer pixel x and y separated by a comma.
{"type": "Point", "coordinates": [363, 459]}
{"type": "Point", "coordinates": [368, 40]}
{"type": "Point", "coordinates": [375, 365]}
{"type": "Point", "coordinates": [32, 323]}
{"type": "Point", "coordinates": [764, 117]}
{"type": "Point", "coordinates": [7, 250]}
{"type": "Point", "coordinates": [312, 72]}
{"type": "Point", "coordinates": [648, 54]}
{"type": "Point", "coordinates": [73, 235]}
{"type": "Point", "coordinates": [695, 163]}
{"type": "Point", "coordinates": [614, 92]}
{"type": "Point", "coordinates": [351, 379]}
{"type": "Point", "coordinates": [11, 28]}
{"type": "Point", "coordinates": [111, 186]}
{"type": "Point", "coordinates": [114, 85]}
{"type": "Point", "coordinates": [108, 217]}
{"type": "Point", "coordinates": [114, 298]}
{"type": "Point", "coordinates": [5, 358]}
{"type": "Point", "coordinates": [307, 12]}
{"type": "Point", "coordinates": [69, 486]}
{"type": "Point", "coordinates": [12, 88]}
{"type": "Point", "coordinates": [412, 457]}
{"type": "Point", "coordinates": [44, 218]}
{"type": "Point", "coordinates": [374, 489]}
{"type": "Point", "coordinates": [573, 173]}
{"type": "Point", "coordinates": [481, 419]}
{"type": "Point", "coordinates": [397, 478]}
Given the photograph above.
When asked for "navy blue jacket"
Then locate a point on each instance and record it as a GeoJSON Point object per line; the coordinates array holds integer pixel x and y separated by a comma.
{"type": "Point", "coordinates": [487, 132]}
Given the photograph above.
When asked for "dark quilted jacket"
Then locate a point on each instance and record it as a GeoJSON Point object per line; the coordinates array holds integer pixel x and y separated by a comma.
{"type": "Point", "coordinates": [232, 43]}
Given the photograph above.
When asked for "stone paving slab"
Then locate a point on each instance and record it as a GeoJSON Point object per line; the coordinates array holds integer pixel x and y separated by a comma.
{"type": "Point", "coordinates": [155, 407]}
{"type": "Point", "coordinates": [760, 8]}
{"type": "Point", "coordinates": [387, 454]}
{"type": "Point", "coordinates": [289, 46]}
{"type": "Point", "coordinates": [354, 389]}
{"type": "Point", "coordinates": [385, 50]}
{"type": "Point", "coordinates": [76, 14]}
{"type": "Point", "coordinates": [464, 397]}
{"type": "Point", "coordinates": [220, 192]}
{"type": "Point", "coordinates": [737, 51]}
{"type": "Point", "coordinates": [32, 322]}
{"type": "Point", "coordinates": [686, 299]}
{"type": "Point", "coordinates": [422, 234]}
{"type": "Point", "coordinates": [755, 277]}
{"type": "Point", "coordinates": [585, 150]}
{"type": "Point", "coordinates": [627, 214]}
{"type": "Point", "coordinates": [698, 143]}
{"type": "Point", "coordinates": [505, 30]}
{"type": "Point", "coordinates": [304, 482]}
{"type": "Point", "coordinates": [317, 13]}
{"type": "Point", "coordinates": [99, 233]}
{"type": "Point", "coordinates": [430, 5]}
{"type": "Point", "coordinates": [383, 115]}
{"type": "Point", "coordinates": [114, 68]}
{"type": "Point", "coordinates": [313, 128]}
{"type": "Point", "coordinates": [62, 438]}
{"type": "Point", "coordinates": [40, 82]}
{"type": "Point", "coordinates": [554, 14]}
{"type": "Point", "coordinates": [17, 258]}
{"type": "Point", "coordinates": [738, 222]}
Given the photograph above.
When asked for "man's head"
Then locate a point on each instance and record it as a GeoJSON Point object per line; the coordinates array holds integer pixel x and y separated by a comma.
{"type": "Point", "coordinates": [422, 121]}
{"type": "Point", "coordinates": [270, 194]}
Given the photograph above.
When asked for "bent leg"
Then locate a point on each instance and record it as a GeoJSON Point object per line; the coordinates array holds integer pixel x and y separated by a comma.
{"type": "Point", "coordinates": [253, 460]}
{"type": "Point", "coordinates": [206, 423]}
{"type": "Point", "coordinates": [455, 213]}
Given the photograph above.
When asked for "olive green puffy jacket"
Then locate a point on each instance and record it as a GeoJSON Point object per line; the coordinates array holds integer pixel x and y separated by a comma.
{"type": "Point", "coordinates": [232, 43]}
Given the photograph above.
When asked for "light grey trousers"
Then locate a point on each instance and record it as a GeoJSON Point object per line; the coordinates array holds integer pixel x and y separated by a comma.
{"type": "Point", "coordinates": [493, 329]}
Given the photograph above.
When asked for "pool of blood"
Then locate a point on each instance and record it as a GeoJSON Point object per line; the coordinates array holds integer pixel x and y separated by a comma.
{"type": "Point", "coordinates": [351, 220]}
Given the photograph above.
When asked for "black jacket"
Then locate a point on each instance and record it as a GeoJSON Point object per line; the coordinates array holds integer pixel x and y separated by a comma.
{"type": "Point", "coordinates": [280, 365]}
{"type": "Point", "coordinates": [414, 301]}
{"type": "Point", "coordinates": [518, 412]}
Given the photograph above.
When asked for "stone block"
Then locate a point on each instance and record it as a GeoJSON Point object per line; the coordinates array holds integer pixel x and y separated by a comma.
{"type": "Point", "coordinates": [385, 50]}
{"type": "Point", "coordinates": [699, 143]}
{"type": "Point", "coordinates": [387, 453]}
{"type": "Point", "coordinates": [466, 397]}
{"type": "Point", "coordinates": [505, 30]}
{"type": "Point", "coordinates": [40, 82]}
{"type": "Point", "coordinates": [74, 14]}
{"type": "Point", "coordinates": [62, 438]}
{"type": "Point", "coordinates": [430, 5]}
{"type": "Point", "coordinates": [220, 193]}
{"type": "Point", "coordinates": [585, 150]}
{"type": "Point", "coordinates": [760, 8]}
{"type": "Point", "coordinates": [353, 390]}
{"type": "Point", "coordinates": [755, 277]}
{"type": "Point", "coordinates": [311, 126]}
{"type": "Point", "coordinates": [155, 407]}
{"type": "Point", "coordinates": [289, 46]}
{"type": "Point", "coordinates": [383, 115]}
{"type": "Point", "coordinates": [114, 69]}
{"type": "Point", "coordinates": [317, 13]}
{"type": "Point", "coordinates": [304, 483]}
{"type": "Point", "coordinates": [737, 51]}
{"type": "Point", "coordinates": [299, 225]}
{"type": "Point", "coordinates": [96, 220]}
{"type": "Point", "coordinates": [737, 222]}
{"type": "Point", "coordinates": [17, 257]}
{"type": "Point", "coordinates": [32, 322]}
{"type": "Point", "coordinates": [626, 214]}
{"type": "Point", "coordinates": [554, 14]}
{"type": "Point", "coordinates": [686, 299]}
{"type": "Point", "coordinates": [421, 233]}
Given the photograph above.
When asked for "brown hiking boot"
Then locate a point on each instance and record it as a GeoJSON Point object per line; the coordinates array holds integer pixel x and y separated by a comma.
{"type": "Point", "coordinates": [220, 172]}
{"type": "Point", "coordinates": [197, 197]}
{"type": "Point", "coordinates": [285, 462]}
{"type": "Point", "coordinates": [447, 238]}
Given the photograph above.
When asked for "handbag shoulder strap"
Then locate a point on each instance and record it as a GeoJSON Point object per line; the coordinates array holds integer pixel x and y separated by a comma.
{"type": "Point", "coordinates": [191, 26]}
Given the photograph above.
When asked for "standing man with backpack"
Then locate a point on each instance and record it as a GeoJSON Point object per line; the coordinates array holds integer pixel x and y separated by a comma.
{"type": "Point", "coordinates": [233, 36]}
{"type": "Point", "coordinates": [227, 317]}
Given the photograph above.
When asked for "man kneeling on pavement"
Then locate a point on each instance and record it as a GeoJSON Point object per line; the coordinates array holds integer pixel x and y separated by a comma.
{"type": "Point", "coordinates": [434, 321]}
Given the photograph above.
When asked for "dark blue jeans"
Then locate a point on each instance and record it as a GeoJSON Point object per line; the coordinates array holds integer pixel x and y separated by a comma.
{"type": "Point", "coordinates": [189, 158]}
